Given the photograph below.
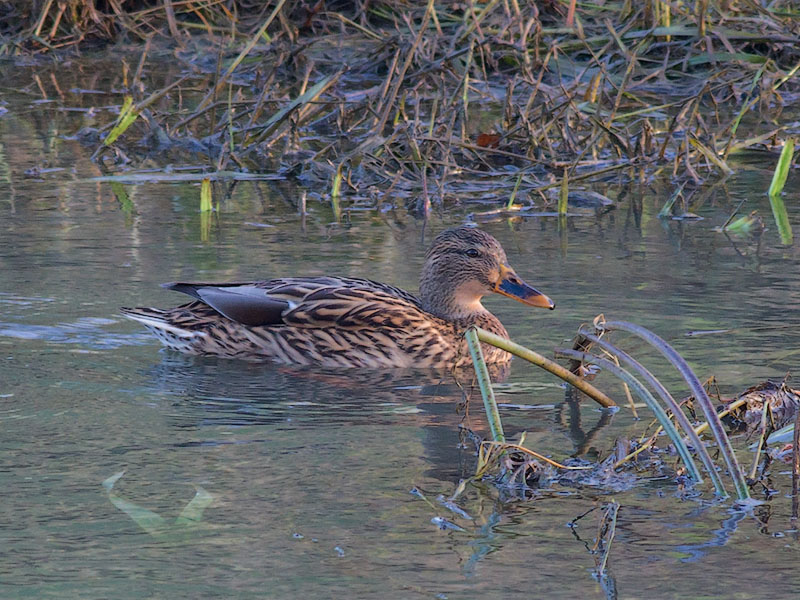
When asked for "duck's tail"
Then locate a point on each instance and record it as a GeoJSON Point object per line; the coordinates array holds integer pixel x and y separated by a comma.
{"type": "Point", "coordinates": [163, 325]}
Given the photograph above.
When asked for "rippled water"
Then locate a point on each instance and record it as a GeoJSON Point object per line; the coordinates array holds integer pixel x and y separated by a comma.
{"type": "Point", "coordinates": [300, 477]}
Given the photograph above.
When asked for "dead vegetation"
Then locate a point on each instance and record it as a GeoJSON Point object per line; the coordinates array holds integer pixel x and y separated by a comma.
{"type": "Point", "coordinates": [470, 102]}
{"type": "Point", "coordinates": [747, 410]}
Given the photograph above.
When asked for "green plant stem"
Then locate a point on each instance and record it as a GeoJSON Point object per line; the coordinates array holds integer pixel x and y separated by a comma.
{"type": "Point", "coordinates": [782, 168]}
{"type": "Point", "coordinates": [664, 394]}
{"type": "Point", "coordinates": [652, 403]}
{"type": "Point", "coordinates": [546, 364]}
{"type": "Point", "coordinates": [699, 393]}
{"type": "Point", "coordinates": [485, 383]}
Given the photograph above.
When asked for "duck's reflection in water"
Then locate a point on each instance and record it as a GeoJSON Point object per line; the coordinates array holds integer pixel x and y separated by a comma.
{"type": "Point", "coordinates": [218, 392]}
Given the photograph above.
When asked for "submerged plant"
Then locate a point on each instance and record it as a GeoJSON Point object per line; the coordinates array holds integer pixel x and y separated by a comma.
{"type": "Point", "coordinates": [154, 524]}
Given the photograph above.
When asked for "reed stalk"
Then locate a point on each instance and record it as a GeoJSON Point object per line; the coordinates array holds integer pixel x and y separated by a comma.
{"type": "Point", "coordinates": [708, 408]}
{"type": "Point", "coordinates": [652, 404]}
{"type": "Point", "coordinates": [546, 364]}
{"type": "Point", "coordinates": [485, 384]}
{"type": "Point", "coordinates": [667, 398]}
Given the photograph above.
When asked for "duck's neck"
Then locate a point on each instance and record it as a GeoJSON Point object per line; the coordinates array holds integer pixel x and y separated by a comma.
{"type": "Point", "coordinates": [450, 305]}
{"type": "Point", "coordinates": [463, 310]}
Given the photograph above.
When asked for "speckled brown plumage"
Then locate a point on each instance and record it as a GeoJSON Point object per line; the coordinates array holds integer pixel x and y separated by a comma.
{"type": "Point", "coordinates": [350, 322]}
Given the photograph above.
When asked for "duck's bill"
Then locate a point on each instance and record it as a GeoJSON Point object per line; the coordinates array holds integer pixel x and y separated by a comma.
{"type": "Point", "coordinates": [509, 284]}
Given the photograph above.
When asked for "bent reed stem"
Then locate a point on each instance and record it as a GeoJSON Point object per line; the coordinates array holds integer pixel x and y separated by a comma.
{"type": "Point", "coordinates": [546, 364]}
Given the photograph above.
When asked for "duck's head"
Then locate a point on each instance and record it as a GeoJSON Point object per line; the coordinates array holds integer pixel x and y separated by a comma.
{"type": "Point", "coordinates": [462, 266]}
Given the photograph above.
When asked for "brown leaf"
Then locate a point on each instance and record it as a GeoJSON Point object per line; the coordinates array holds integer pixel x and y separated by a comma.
{"type": "Point", "coordinates": [488, 140]}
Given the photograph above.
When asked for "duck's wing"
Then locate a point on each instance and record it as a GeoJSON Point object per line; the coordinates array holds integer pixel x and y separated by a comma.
{"type": "Point", "coordinates": [316, 302]}
{"type": "Point", "coordinates": [241, 302]}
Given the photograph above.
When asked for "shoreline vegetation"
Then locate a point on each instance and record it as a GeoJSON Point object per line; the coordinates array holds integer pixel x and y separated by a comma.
{"type": "Point", "coordinates": [517, 104]}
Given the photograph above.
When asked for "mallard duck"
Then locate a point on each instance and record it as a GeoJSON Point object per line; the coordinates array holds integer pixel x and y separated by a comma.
{"type": "Point", "coordinates": [350, 322]}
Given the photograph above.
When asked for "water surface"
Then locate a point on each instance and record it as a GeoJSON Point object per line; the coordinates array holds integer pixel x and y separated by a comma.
{"type": "Point", "coordinates": [308, 472]}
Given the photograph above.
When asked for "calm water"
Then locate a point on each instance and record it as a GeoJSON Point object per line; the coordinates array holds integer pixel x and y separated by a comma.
{"type": "Point", "coordinates": [301, 478]}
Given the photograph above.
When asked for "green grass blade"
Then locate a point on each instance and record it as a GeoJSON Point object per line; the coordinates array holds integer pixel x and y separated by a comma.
{"type": "Point", "coordinates": [667, 398]}
{"type": "Point", "coordinates": [743, 225]}
{"type": "Point", "coordinates": [781, 219]}
{"type": "Point", "coordinates": [193, 512]}
{"type": "Point", "coordinates": [563, 195]}
{"type": "Point", "coordinates": [205, 196]}
{"type": "Point", "coordinates": [513, 195]}
{"type": "Point", "coordinates": [149, 521]}
{"type": "Point", "coordinates": [127, 115]}
{"type": "Point", "coordinates": [711, 155]}
{"type": "Point", "coordinates": [724, 57]}
{"type": "Point", "coordinates": [775, 189]}
{"type": "Point", "coordinates": [666, 210]}
{"type": "Point", "coordinates": [336, 191]}
{"type": "Point", "coordinates": [782, 168]}
{"type": "Point", "coordinates": [782, 436]}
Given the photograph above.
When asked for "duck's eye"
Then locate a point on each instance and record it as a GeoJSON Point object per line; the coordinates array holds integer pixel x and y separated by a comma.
{"type": "Point", "coordinates": [472, 253]}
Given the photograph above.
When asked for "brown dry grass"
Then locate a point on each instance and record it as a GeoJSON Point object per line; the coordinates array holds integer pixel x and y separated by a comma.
{"type": "Point", "coordinates": [433, 102]}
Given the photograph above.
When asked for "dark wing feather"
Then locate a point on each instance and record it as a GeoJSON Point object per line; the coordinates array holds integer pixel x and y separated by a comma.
{"type": "Point", "coordinates": [243, 303]}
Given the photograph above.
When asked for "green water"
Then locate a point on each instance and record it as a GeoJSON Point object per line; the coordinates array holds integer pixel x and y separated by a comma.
{"type": "Point", "coordinates": [307, 473]}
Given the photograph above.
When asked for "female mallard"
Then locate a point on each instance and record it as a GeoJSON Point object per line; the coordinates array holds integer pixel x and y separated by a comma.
{"type": "Point", "coordinates": [348, 322]}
